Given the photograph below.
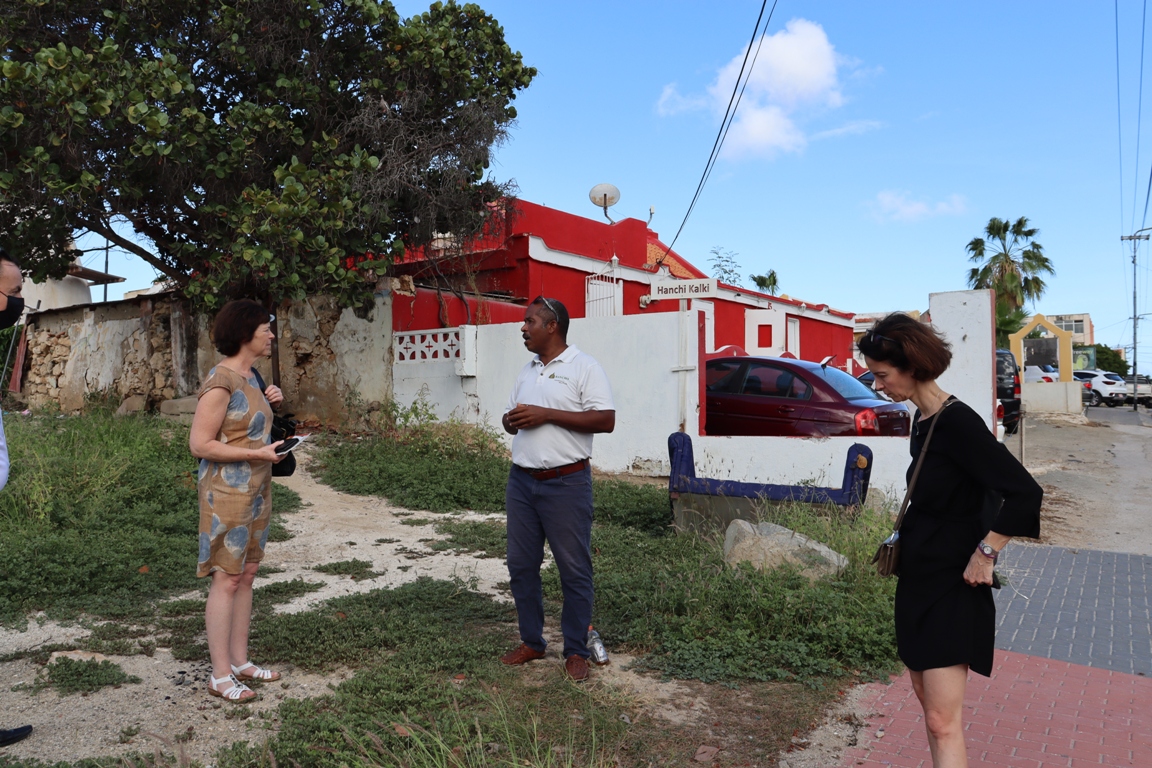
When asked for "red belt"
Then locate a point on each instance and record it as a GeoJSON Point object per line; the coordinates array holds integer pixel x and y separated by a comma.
{"type": "Point", "coordinates": [554, 472]}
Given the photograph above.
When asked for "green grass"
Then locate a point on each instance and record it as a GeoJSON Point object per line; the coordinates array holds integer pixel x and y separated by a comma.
{"type": "Point", "coordinates": [99, 515]}
{"type": "Point", "coordinates": [672, 600]}
{"type": "Point", "coordinates": [70, 676]}
{"type": "Point", "coordinates": [357, 569]}
{"type": "Point", "coordinates": [433, 466]}
{"type": "Point", "coordinates": [427, 654]}
{"type": "Point", "coordinates": [667, 597]}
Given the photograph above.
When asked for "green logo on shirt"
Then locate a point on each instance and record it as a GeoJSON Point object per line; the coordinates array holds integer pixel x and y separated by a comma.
{"type": "Point", "coordinates": [558, 376]}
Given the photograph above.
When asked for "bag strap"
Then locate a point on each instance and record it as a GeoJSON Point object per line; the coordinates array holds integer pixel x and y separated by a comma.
{"type": "Point", "coordinates": [262, 386]}
{"type": "Point", "coordinates": [919, 463]}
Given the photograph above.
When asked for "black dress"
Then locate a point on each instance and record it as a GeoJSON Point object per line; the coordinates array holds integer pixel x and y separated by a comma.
{"type": "Point", "coordinates": [940, 620]}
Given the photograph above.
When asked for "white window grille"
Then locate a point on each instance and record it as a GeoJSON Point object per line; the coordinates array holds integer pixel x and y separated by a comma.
{"type": "Point", "coordinates": [418, 346]}
{"type": "Point", "coordinates": [604, 292]}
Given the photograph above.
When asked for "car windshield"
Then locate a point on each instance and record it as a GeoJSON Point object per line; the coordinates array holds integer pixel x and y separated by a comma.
{"type": "Point", "coordinates": [1082, 375]}
{"type": "Point", "coordinates": [846, 386]}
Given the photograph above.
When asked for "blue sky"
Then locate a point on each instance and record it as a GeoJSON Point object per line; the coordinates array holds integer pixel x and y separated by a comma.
{"type": "Point", "coordinates": [875, 140]}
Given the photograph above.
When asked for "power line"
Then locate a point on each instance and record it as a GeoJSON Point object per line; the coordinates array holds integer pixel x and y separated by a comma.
{"type": "Point", "coordinates": [1139, 115]}
{"type": "Point", "coordinates": [729, 114]}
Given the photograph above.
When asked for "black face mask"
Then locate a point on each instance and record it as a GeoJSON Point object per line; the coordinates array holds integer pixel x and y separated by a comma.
{"type": "Point", "coordinates": [10, 315]}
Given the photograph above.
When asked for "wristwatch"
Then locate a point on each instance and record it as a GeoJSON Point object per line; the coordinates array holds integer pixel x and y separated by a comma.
{"type": "Point", "coordinates": [987, 550]}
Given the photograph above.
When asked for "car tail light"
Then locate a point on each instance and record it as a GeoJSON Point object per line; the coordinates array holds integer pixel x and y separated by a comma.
{"type": "Point", "coordinates": [1046, 378]}
{"type": "Point", "coordinates": [1000, 411]}
{"type": "Point", "coordinates": [1087, 385]}
{"type": "Point", "coordinates": [1016, 386]}
{"type": "Point", "coordinates": [867, 423]}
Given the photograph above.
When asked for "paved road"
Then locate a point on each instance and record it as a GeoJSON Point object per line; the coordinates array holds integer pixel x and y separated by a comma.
{"type": "Point", "coordinates": [1081, 606]}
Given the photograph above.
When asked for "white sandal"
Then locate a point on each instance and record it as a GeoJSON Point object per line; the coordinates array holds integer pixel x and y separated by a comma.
{"type": "Point", "coordinates": [235, 693]}
{"type": "Point", "coordinates": [249, 671]}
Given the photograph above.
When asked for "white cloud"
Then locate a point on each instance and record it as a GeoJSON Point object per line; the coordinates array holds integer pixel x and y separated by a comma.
{"type": "Point", "coordinates": [672, 102]}
{"type": "Point", "coordinates": [849, 129]}
{"type": "Point", "coordinates": [899, 206]}
{"type": "Point", "coordinates": [795, 77]}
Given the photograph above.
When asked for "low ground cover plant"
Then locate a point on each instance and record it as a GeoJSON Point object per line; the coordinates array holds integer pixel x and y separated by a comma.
{"type": "Point", "coordinates": [668, 597]}
{"type": "Point", "coordinates": [99, 515]}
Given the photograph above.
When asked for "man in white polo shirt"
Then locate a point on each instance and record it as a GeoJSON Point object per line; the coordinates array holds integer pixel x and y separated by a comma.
{"type": "Point", "coordinates": [561, 398]}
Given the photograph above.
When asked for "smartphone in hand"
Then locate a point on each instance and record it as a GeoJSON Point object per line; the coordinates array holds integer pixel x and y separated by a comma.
{"type": "Point", "coordinates": [290, 444]}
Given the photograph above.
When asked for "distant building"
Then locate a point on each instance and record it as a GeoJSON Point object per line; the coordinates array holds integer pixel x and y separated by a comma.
{"type": "Point", "coordinates": [1080, 326]}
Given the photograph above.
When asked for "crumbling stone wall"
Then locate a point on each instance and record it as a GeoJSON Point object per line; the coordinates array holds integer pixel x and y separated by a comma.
{"type": "Point", "coordinates": [147, 350]}
{"type": "Point", "coordinates": [119, 350]}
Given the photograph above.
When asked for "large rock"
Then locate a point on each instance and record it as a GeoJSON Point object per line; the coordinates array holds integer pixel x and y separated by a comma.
{"type": "Point", "coordinates": [767, 545]}
{"type": "Point", "coordinates": [132, 404]}
{"type": "Point", "coordinates": [180, 407]}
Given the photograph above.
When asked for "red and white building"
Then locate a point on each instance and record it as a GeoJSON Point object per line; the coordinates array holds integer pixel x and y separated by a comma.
{"type": "Point", "coordinates": [600, 269]}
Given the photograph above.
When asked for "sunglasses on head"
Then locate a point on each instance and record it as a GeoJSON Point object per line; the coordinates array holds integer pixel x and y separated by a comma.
{"type": "Point", "coordinates": [551, 306]}
{"type": "Point", "coordinates": [877, 337]}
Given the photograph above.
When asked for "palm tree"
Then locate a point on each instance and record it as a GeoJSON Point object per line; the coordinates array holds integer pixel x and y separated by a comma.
{"type": "Point", "coordinates": [1008, 321]}
{"type": "Point", "coordinates": [1011, 262]}
{"type": "Point", "coordinates": [767, 283]}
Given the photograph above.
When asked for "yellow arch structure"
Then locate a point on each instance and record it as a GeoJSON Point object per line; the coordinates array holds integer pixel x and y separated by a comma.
{"type": "Point", "coordinates": [1016, 342]}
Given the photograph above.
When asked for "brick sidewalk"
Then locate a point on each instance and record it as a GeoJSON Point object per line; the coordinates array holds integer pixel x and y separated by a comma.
{"type": "Point", "coordinates": [1033, 713]}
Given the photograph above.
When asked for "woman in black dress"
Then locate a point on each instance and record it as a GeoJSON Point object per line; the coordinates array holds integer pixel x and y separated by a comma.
{"type": "Point", "coordinates": [971, 498]}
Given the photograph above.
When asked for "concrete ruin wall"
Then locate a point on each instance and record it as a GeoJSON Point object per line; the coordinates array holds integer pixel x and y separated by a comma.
{"type": "Point", "coordinates": [150, 349]}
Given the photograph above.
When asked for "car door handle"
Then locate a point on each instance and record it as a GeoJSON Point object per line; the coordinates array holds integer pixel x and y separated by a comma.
{"type": "Point", "coordinates": [785, 409]}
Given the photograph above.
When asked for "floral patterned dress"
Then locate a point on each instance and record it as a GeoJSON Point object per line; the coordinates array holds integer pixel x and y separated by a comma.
{"type": "Point", "coordinates": [236, 496]}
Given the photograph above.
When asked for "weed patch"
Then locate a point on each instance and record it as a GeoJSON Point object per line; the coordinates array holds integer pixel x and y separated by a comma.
{"type": "Point", "coordinates": [485, 538]}
{"type": "Point", "coordinates": [421, 463]}
{"type": "Point", "coordinates": [357, 569]}
{"type": "Point", "coordinates": [430, 688]}
{"type": "Point", "coordinates": [99, 516]}
{"type": "Point", "coordinates": [70, 676]}
{"type": "Point", "coordinates": [644, 507]}
{"type": "Point", "coordinates": [673, 600]}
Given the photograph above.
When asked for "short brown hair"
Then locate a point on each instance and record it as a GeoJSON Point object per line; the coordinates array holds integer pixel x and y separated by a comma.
{"type": "Point", "coordinates": [913, 347]}
{"type": "Point", "coordinates": [236, 324]}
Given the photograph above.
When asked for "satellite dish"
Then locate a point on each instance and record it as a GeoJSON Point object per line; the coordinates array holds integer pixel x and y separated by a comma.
{"type": "Point", "coordinates": [604, 196]}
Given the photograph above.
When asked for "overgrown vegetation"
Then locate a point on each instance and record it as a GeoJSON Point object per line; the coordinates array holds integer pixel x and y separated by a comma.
{"type": "Point", "coordinates": [99, 515]}
{"type": "Point", "coordinates": [669, 598]}
{"type": "Point", "coordinates": [427, 688]}
{"type": "Point", "coordinates": [421, 463]}
{"type": "Point", "coordinates": [357, 569]}
{"type": "Point", "coordinates": [81, 676]}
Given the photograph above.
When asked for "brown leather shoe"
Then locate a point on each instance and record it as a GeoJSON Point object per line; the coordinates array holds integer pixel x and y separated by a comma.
{"type": "Point", "coordinates": [576, 667]}
{"type": "Point", "coordinates": [521, 655]}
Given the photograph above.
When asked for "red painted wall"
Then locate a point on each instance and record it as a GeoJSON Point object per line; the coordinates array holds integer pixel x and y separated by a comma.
{"type": "Point", "coordinates": [729, 323]}
{"type": "Point", "coordinates": [425, 310]}
{"type": "Point", "coordinates": [819, 339]}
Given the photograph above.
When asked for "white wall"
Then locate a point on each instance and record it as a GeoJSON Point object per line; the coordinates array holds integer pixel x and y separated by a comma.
{"type": "Point", "coordinates": [1052, 397]}
{"type": "Point", "coordinates": [967, 320]}
{"type": "Point", "coordinates": [796, 460]}
{"type": "Point", "coordinates": [639, 353]}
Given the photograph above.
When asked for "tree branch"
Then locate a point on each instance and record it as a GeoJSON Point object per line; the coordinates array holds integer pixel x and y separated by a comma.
{"type": "Point", "coordinates": [112, 236]}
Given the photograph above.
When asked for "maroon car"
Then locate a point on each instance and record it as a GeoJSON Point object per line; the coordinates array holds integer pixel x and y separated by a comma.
{"type": "Point", "coordinates": [794, 398]}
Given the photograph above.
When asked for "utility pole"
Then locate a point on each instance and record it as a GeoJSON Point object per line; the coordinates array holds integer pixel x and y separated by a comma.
{"type": "Point", "coordinates": [1135, 237]}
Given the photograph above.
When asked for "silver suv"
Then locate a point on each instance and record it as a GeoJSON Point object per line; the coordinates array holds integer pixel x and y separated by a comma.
{"type": "Point", "coordinates": [1107, 388]}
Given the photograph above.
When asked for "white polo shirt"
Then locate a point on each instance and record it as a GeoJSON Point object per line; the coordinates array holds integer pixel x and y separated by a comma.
{"type": "Point", "coordinates": [573, 381]}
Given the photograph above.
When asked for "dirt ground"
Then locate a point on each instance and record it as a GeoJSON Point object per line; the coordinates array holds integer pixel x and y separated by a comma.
{"type": "Point", "coordinates": [1095, 473]}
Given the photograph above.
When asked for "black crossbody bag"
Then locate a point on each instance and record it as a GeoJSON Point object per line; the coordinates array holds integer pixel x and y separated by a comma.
{"type": "Point", "coordinates": [283, 427]}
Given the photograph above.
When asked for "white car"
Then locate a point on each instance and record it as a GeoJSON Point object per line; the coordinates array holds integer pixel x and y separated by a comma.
{"type": "Point", "coordinates": [1107, 388]}
{"type": "Point", "coordinates": [1039, 373]}
{"type": "Point", "coordinates": [1141, 387]}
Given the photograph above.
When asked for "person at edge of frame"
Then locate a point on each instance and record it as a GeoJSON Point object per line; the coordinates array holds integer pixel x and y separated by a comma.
{"type": "Point", "coordinates": [972, 497]}
{"type": "Point", "coordinates": [560, 400]}
{"type": "Point", "coordinates": [11, 308]}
